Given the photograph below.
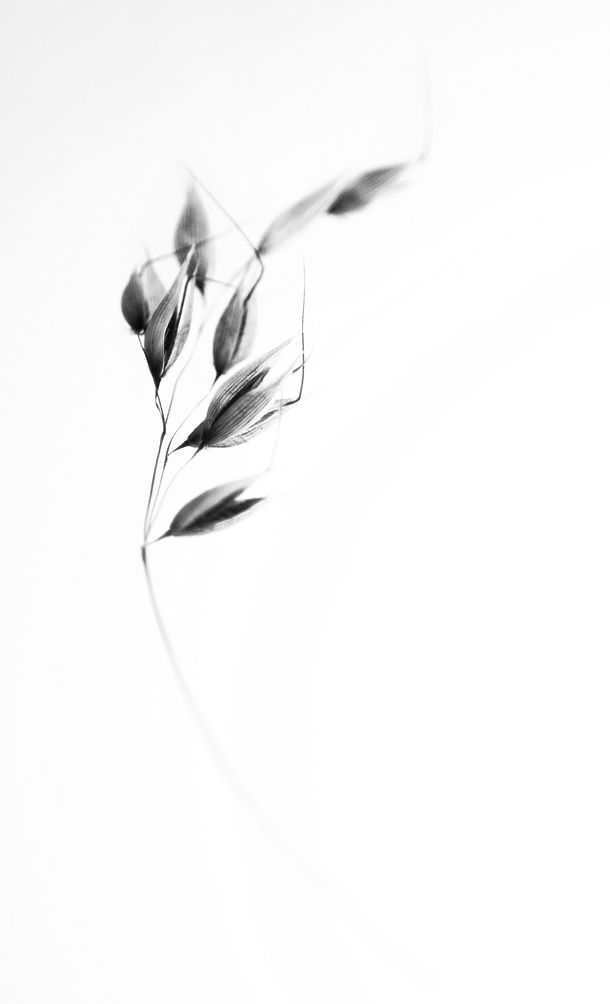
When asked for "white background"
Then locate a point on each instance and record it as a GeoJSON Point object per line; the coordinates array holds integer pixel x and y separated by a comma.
{"type": "Point", "coordinates": [406, 655]}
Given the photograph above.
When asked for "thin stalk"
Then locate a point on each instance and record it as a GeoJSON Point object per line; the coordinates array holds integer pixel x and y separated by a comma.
{"type": "Point", "coordinates": [168, 448]}
{"type": "Point", "coordinates": [336, 896]}
{"type": "Point", "coordinates": [158, 501]}
{"type": "Point", "coordinates": [240, 230]}
{"type": "Point", "coordinates": [152, 482]}
{"type": "Point", "coordinates": [164, 418]}
{"type": "Point", "coordinates": [220, 758]}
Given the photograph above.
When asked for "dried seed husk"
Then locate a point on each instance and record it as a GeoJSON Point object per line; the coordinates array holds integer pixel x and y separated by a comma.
{"type": "Point", "coordinates": [182, 325]}
{"type": "Point", "coordinates": [235, 331]}
{"type": "Point", "coordinates": [239, 415]}
{"type": "Point", "coordinates": [254, 430]}
{"type": "Point", "coordinates": [297, 216]}
{"type": "Point", "coordinates": [247, 377]}
{"type": "Point", "coordinates": [193, 228]}
{"type": "Point", "coordinates": [154, 289]}
{"type": "Point", "coordinates": [133, 304]}
{"type": "Point", "coordinates": [160, 323]}
{"type": "Point", "coordinates": [223, 517]}
{"type": "Point", "coordinates": [213, 508]}
{"type": "Point", "coordinates": [366, 187]}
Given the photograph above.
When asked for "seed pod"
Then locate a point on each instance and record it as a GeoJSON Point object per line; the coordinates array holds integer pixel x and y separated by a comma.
{"type": "Point", "coordinates": [133, 304]}
{"type": "Point", "coordinates": [256, 429]}
{"type": "Point", "coordinates": [163, 321]}
{"type": "Point", "coordinates": [192, 228]}
{"type": "Point", "coordinates": [364, 189]}
{"type": "Point", "coordinates": [247, 378]}
{"type": "Point", "coordinates": [298, 216]}
{"type": "Point", "coordinates": [154, 290]}
{"type": "Point", "coordinates": [240, 415]}
{"type": "Point", "coordinates": [178, 333]}
{"type": "Point", "coordinates": [212, 509]}
{"type": "Point", "coordinates": [235, 331]}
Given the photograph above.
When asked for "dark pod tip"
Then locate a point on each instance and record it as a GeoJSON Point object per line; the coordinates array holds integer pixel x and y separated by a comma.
{"type": "Point", "coordinates": [133, 304]}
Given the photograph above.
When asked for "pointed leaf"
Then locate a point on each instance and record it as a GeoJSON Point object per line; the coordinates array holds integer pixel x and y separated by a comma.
{"type": "Point", "coordinates": [365, 188]}
{"type": "Point", "coordinates": [298, 216]}
{"type": "Point", "coordinates": [193, 228]}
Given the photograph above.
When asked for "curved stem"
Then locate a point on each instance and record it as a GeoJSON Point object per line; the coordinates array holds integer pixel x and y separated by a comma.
{"type": "Point", "coordinates": [291, 856]}
{"type": "Point", "coordinates": [220, 758]}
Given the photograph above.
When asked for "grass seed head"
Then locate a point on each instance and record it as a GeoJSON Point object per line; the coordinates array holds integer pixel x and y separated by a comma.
{"type": "Point", "coordinates": [134, 305]}
{"type": "Point", "coordinates": [193, 228]}
{"type": "Point", "coordinates": [213, 508]}
{"type": "Point", "coordinates": [364, 189]}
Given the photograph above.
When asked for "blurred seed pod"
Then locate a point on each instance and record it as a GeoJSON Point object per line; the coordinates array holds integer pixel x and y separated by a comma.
{"type": "Point", "coordinates": [133, 304]}
{"type": "Point", "coordinates": [236, 328]}
{"type": "Point", "coordinates": [154, 289]}
{"type": "Point", "coordinates": [192, 228]}
{"type": "Point", "coordinates": [365, 188]}
{"type": "Point", "coordinates": [212, 509]}
{"type": "Point", "coordinates": [297, 216]}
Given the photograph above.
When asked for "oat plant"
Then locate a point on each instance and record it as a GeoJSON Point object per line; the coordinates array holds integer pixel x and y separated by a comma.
{"type": "Point", "coordinates": [248, 393]}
